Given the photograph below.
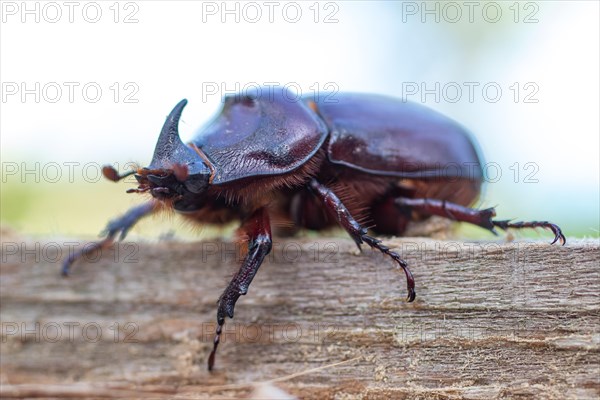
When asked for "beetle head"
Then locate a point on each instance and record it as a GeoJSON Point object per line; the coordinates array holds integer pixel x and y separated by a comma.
{"type": "Point", "coordinates": [177, 171]}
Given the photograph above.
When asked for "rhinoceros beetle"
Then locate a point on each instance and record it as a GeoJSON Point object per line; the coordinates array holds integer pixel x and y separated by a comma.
{"type": "Point", "coordinates": [319, 163]}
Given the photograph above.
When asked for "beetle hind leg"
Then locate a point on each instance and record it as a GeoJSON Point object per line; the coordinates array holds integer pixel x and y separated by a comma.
{"type": "Point", "coordinates": [359, 233]}
{"type": "Point", "coordinates": [482, 218]}
{"type": "Point", "coordinates": [119, 226]}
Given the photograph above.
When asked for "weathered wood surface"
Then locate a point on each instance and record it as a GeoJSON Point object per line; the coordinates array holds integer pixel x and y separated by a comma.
{"type": "Point", "coordinates": [491, 320]}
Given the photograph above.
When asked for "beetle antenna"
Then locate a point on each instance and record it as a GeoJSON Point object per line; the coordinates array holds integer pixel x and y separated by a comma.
{"type": "Point", "coordinates": [113, 175]}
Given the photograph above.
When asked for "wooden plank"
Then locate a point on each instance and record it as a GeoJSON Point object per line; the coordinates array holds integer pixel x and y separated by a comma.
{"type": "Point", "coordinates": [491, 320]}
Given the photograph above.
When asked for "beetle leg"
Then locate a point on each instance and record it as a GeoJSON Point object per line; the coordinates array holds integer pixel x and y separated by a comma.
{"type": "Point", "coordinates": [357, 232]}
{"type": "Point", "coordinates": [120, 225]}
{"type": "Point", "coordinates": [482, 218]}
{"type": "Point", "coordinates": [258, 229]}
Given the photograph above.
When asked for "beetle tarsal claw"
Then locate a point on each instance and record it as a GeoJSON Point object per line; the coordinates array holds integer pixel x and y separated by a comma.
{"type": "Point", "coordinates": [558, 235]}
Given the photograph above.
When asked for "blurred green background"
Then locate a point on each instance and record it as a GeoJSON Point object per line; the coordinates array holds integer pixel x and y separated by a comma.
{"type": "Point", "coordinates": [541, 133]}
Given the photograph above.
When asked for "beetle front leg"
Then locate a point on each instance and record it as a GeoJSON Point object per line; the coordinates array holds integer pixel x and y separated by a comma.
{"type": "Point", "coordinates": [357, 232]}
{"type": "Point", "coordinates": [120, 225]}
{"type": "Point", "coordinates": [258, 229]}
{"type": "Point", "coordinates": [482, 218]}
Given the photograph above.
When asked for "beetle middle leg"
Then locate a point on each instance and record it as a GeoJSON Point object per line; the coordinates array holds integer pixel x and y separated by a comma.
{"type": "Point", "coordinates": [120, 225]}
{"type": "Point", "coordinates": [359, 233]}
{"type": "Point", "coordinates": [482, 218]}
{"type": "Point", "coordinates": [258, 229]}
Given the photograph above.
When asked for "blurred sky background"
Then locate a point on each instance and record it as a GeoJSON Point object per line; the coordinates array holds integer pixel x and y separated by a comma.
{"type": "Point", "coordinates": [547, 51]}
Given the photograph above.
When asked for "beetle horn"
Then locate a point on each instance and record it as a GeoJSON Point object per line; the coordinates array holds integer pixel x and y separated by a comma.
{"type": "Point", "coordinates": [171, 154]}
{"type": "Point", "coordinates": [169, 143]}
{"type": "Point", "coordinates": [169, 148]}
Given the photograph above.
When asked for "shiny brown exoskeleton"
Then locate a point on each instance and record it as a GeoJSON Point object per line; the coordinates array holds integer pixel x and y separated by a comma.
{"type": "Point", "coordinates": [317, 164]}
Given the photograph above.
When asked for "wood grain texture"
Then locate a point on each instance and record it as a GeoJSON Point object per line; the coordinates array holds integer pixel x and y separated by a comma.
{"type": "Point", "coordinates": [491, 320]}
